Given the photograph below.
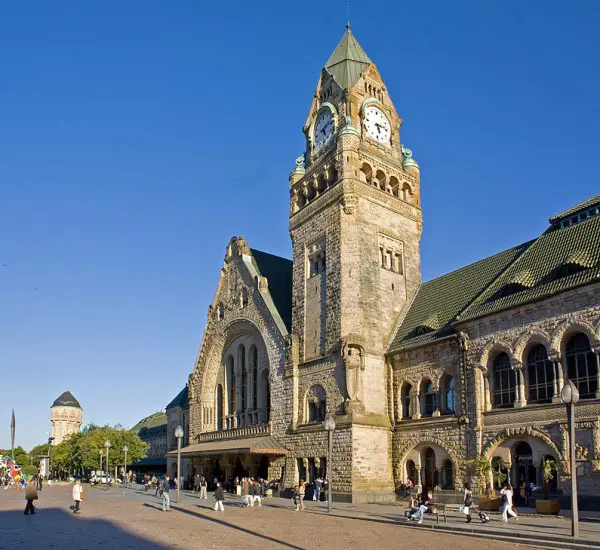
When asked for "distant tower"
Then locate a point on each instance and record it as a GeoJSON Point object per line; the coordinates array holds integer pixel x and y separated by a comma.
{"type": "Point", "coordinates": [66, 416]}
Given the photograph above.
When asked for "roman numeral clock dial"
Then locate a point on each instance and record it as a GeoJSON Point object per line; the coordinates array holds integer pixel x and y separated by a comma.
{"type": "Point", "coordinates": [323, 129]}
{"type": "Point", "coordinates": [377, 125]}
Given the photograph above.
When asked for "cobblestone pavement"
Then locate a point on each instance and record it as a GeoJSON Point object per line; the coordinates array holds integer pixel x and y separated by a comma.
{"type": "Point", "coordinates": [131, 519]}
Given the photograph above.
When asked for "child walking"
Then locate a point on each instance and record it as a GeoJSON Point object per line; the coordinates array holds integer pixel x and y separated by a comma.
{"type": "Point", "coordinates": [77, 495]}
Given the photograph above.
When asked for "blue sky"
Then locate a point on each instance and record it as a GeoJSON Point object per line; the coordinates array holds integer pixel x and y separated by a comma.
{"type": "Point", "coordinates": [137, 137]}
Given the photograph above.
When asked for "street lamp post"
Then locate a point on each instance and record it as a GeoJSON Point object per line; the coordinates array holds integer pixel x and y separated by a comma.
{"type": "Point", "coordinates": [100, 470]}
{"type": "Point", "coordinates": [107, 447]}
{"type": "Point", "coordinates": [50, 439]}
{"type": "Point", "coordinates": [179, 436]}
{"type": "Point", "coordinates": [570, 396]}
{"type": "Point", "coordinates": [125, 449]}
{"type": "Point", "coordinates": [330, 427]}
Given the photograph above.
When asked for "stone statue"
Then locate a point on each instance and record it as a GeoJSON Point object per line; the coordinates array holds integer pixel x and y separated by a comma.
{"type": "Point", "coordinates": [300, 160]}
{"type": "Point", "coordinates": [353, 355]}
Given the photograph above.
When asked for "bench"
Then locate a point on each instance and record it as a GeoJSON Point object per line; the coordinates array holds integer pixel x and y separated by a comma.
{"type": "Point", "coordinates": [439, 510]}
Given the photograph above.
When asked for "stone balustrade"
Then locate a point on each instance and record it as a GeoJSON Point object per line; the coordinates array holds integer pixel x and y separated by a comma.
{"type": "Point", "coordinates": [248, 431]}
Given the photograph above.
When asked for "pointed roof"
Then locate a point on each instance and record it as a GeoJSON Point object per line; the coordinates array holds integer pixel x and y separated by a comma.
{"type": "Point", "coordinates": [66, 400]}
{"type": "Point", "coordinates": [348, 61]}
{"type": "Point", "coordinates": [181, 400]}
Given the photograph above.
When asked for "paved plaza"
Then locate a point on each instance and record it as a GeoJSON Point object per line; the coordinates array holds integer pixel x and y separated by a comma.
{"type": "Point", "coordinates": [131, 519]}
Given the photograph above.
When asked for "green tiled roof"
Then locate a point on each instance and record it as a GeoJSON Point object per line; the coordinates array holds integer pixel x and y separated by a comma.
{"type": "Point", "coordinates": [156, 420]}
{"type": "Point", "coordinates": [348, 61]}
{"type": "Point", "coordinates": [439, 301]}
{"type": "Point", "coordinates": [577, 208]}
{"type": "Point", "coordinates": [547, 260]}
{"type": "Point", "coordinates": [66, 399]}
{"type": "Point", "coordinates": [278, 272]}
{"type": "Point", "coordinates": [181, 400]}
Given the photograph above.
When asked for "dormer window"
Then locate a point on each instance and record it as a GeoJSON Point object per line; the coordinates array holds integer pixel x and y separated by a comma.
{"type": "Point", "coordinates": [521, 281]}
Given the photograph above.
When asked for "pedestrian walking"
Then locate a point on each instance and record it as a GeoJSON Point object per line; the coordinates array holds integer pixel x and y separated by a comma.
{"type": "Point", "coordinates": [244, 492]}
{"type": "Point", "coordinates": [506, 503]}
{"type": "Point", "coordinates": [219, 498]}
{"type": "Point", "coordinates": [77, 495]}
{"type": "Point", "coordinates": [30, 496]}
{"type": "Point", "coordinates": [166, 501]}
{"type": "Point", "coordinates": [203, 487]}
{"type": "Point", "coordinates": [296, 498]}
{"type": "Point", "coordinates": [302, 492]}
{"type": "Point", "coordinates": [256, 494]}
{"type": "Point", "coordinates": [468, 501]}
{"type": "Point", "coordinates": [318, 489]}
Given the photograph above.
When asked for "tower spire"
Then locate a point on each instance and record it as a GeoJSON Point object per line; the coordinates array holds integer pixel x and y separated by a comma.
{"type": "Point", "coordinates": [347, 15]}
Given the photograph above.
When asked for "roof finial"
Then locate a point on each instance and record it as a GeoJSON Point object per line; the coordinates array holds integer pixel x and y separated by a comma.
{"type": "Point", "coordinates": [347, 15]}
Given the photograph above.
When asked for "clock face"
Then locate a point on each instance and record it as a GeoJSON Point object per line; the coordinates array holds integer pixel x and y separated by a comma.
{"type": "Point", "coordinates": [324, 129]}
{"type": "Point", "coordinates": [377, 125]}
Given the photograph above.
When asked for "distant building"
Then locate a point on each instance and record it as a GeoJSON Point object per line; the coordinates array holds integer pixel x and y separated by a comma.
{"type": "Point", "coordinates": [178, 415]}
{"type": "Point", "coordinates": [152, 430]}
{"type": "Point", "coordinates": [66, 416]}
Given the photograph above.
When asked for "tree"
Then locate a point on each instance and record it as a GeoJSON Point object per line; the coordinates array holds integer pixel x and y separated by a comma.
{"type": "Point", "coordinates": [548, 471]}
{"type": "Point", "coordinates": [20, 455]}
{"type": "Point", "coordinates": [35, 454]}
{"type": "Point", "coordinates": [79, 453]}
{"type": "Point", "coordinates": [482, 467]}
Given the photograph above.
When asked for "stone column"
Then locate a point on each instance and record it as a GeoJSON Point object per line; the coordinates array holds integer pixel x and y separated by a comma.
{"type": "Point", "coordinates": [558, 376]}
{"type": "Point", "coordinates": [596, 350]}
{"type": "Point", "coordinates": [520, 400]}
{"type": "Point", "coordinates": [420, 477]}
{"type": "Point", "coordinates": [416, 406]}
{"type": "Point", "coordinates": [487, 398]}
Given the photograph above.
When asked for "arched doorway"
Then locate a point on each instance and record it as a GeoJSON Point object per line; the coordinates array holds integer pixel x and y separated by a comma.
{"type": "Point", "coordinates": [429, 461]}
{"type": "Point", "coordinates": [411, 472]}
{"type": "Point", "coordinates": [525, 470]}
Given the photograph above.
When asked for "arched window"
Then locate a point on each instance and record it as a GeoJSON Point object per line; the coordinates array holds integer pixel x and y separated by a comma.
{"type": "Point", "coordinates": [581, 365]}
{"type": "Point", "coordinates": [427, 398]}
{"type": "Point", "coordinates": [380, 180]}
{"type": "Point", "coordinates": [268, 397]}
{"type": "Point", "coordinates": [540, 374]}
{"type": "Point", "coordinates": [448, 393]}
{"type": "Point", "coordinates": [231, 384]}
{"type": "Point", "coordinates": [366, 173]}
{"type": "Point", "coordinates": [230, 373]}
{"type": "Point", "coordinates": [504, 381]}
{"type": "Point", "coordinates": [315, 404]}
{"type": "Point", "coordinates": [244, 376]}
{"type": "Point", "coordinates": [411, 472]}
{"type": "Point", "coordinates": [244, 297]}
{"type": "Point", "coordinates": [405, 399]}
{"type": "Point", "coordinates": [219, 407]}
{"type": "Point", "coordinates": [254, 370]}
{"type": "Point", "coordinates": [447, 475]}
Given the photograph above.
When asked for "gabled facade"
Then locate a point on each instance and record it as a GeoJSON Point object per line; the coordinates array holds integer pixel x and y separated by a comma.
{"type": "Point", "coordinates": [347, 329]}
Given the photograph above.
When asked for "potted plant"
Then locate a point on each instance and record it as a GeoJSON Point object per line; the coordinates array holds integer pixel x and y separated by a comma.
{"type": "Point", "coordinates": [483, 469]}
{"type": "Point", "coordinates": [547, 505]}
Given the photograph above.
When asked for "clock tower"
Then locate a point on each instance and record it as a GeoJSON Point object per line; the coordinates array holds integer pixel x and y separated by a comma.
{"type": "Point", "coordinates": [355, 224]}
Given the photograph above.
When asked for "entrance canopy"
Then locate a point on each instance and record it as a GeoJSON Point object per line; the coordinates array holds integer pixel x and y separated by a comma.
{"type": "Point", "coordinates": [266, 445]}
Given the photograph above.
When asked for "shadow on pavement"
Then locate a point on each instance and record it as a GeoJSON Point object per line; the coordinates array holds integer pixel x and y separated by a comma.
{"type": "Point", "coordinates": [57, 528]}
{"type": "Point", "coordinates": [226, 523]}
